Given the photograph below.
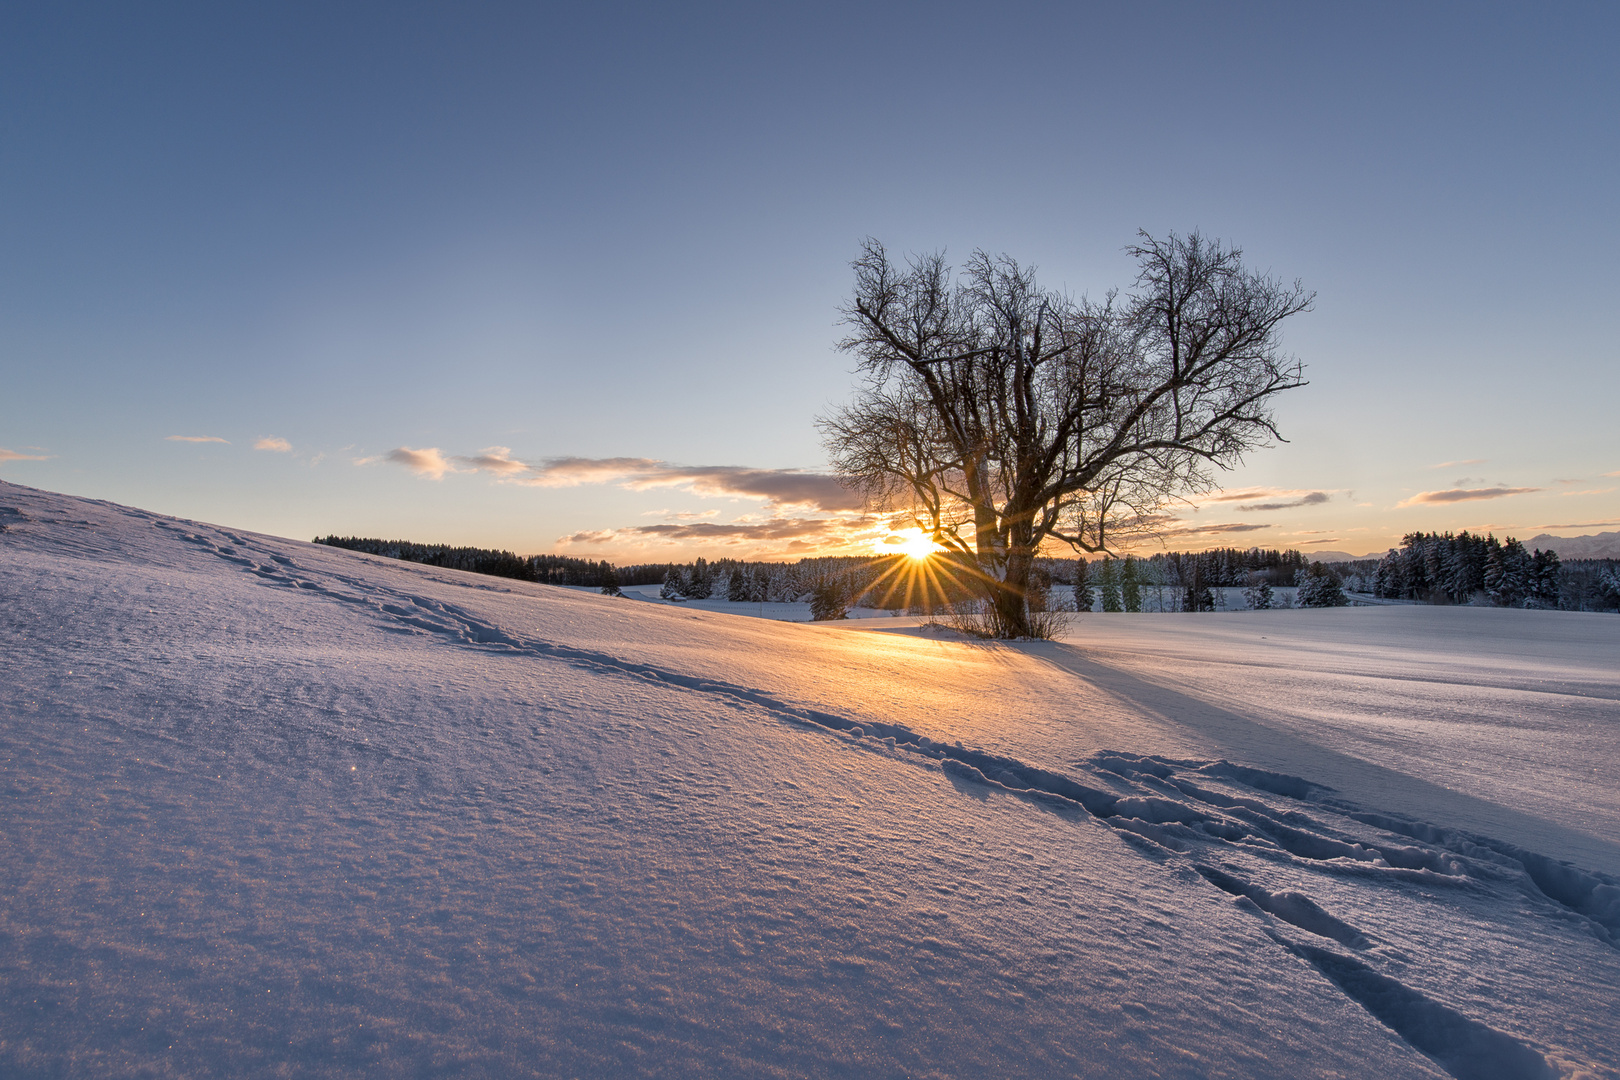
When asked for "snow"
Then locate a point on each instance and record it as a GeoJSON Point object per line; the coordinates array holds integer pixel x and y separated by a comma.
{"type": "Point", "coordinates": [277, 809]}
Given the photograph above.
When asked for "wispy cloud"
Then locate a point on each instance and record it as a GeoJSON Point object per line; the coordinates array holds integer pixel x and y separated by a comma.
{"type": "Point", "coordinates": [777, 530]}
{"type": "Point", "coordinates": [681, 515]}
{"type": "Point", "coordinates": [273, 442]}
{"type": "Point", "coordinates": [1314, 498]}
{"type": "Point", "coordinates": [495, 459]}
{"type": "Point", "coordinates": [1187, 528]}
{"type": "Point", "coordinates": [12, 455]}
{"type": "Point", "coordinates": [779, 487]}
{"type": "Point", "coordinates": [1263, 498]}
{"type": "Point", "coordinates": [196, 438]}
{"type": "Point", "coordinates": [1589, 491]}
{"type": "Point", "coordinates": [1464, 461]}
{"type": "Point", "coordinates": [1328, 540]}
{"type": "Point", "coordinates": [428, 462]}
{"type": "Point", "coordinates": [1582, 525]}
{"type": "Point", "coordinates": [1464, 495]}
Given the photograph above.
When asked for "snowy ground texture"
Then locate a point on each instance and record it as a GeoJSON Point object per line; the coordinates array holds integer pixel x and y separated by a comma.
{"type": "Point", "coordinates": [272, 809]}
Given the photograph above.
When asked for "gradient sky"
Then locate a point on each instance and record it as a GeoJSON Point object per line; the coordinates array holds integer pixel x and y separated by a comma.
{"type": "Point", "coordinates": [554, 279]}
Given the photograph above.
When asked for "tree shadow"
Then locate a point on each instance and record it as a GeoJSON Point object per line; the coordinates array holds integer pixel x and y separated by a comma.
{"type": "Point", "coordinates": [1250, 741]}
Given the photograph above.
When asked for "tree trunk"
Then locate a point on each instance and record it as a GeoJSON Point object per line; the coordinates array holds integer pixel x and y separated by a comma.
{"type": "Point", "coordinates": [1009, 598]}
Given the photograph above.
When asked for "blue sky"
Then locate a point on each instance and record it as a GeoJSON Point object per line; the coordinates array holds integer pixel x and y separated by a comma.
{"type": "Point", "coordinates": [561, 280]}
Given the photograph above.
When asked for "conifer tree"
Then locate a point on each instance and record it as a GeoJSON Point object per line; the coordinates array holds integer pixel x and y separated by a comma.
{"type": "Point", "coordinates": [1544, 567]}
{"type": "Point", "coordinates": [739, 589]}
{"type": "Point", "coordinates": [672, 585]}
{"type": "Point", "coordinates": [1129, 586]}
{"type": "Point", "coordinates": [1517, 569]}
{"type": "Point", "coordinates": [1259, 596]}
{"type": "Point", "coordinates": [1109, 584]}
{"type": "Point", "coordinates": [1492, 577]}
{"type": "Point", "coordinates": [701, 585]}
{"type": "Point", "coordinates": [1321, 589]}
{"type": "Point", "coordinates": [1083, 594]}
{"type": "Point", "coordinates": [829, 600]}
{"type": "Point", "coordinates": [610, 581]}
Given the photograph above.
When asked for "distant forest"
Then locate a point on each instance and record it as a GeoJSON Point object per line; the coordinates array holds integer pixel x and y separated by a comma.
{"type": "Point", "coordinates": [1428, 568]}
{"type": "Point", "coordinates": [544, 569]}
{"type": "Point", "coordinates": [762, 581]}
{"type": "Point", "coordinates": [1442, 568]}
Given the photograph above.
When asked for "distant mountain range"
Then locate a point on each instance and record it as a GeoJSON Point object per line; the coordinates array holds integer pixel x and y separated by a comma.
{"type": "Point", "coordinates": [1604, 545]}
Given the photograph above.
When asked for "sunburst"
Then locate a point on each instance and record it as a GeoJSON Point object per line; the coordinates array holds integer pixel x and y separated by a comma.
{"type": "Point", "coordinates": [912, 543]}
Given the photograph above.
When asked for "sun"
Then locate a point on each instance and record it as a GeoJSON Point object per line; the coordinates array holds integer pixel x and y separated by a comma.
{"type": "Point", "coordinates": [912, 543]}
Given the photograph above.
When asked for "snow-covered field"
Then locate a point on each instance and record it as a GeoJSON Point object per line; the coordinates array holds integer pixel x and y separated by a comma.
{"type": "Point", "coordinates": [272, 809]}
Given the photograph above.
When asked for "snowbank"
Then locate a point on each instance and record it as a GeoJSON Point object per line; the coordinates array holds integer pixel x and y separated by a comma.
{"type": "Point", "coordinates": [278, 809]}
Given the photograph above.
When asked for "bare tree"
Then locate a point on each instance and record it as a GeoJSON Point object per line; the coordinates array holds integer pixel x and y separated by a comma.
{"type": "Point", "coordinates": [1001, 418]}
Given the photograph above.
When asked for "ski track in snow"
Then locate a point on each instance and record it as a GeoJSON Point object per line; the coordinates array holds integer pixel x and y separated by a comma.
{"type": "Point", "coordinates": [1265, 839]}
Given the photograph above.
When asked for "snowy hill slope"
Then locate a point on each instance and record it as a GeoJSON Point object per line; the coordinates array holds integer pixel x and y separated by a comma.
{"type": "Point", "coordinates": [272, 809]}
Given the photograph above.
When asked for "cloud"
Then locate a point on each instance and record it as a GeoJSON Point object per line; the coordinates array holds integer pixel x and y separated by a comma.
{"type": "Point", "coordinates": [427, 462]}
{"type": "Point", "coordinates": [681, 515]}
{"type": "Point", "coordinates": [272, 442]}
{"type": "Point", "coordinates": [196, 438]}
{"type": "Point", "coordinates": [1329, 540]}
{"type": "Point", "coordinates": [1582, 525]}
{"type": "Point", "coordinates": [573, 471]}
{"type": "Point", "coordinates": [12, 455]}
{"type": "Point", "coordinates": [1260, 498]}
{"type": "Point", "coordinates": [1189, 529]}
{"type": "Point", "coordinates": [780, 487]}
{"type": "Point", "coordinates": [1615, 473]}
{"type": "Point", "coordinates": [1464, 495]}
{"type": "Point", "coordinates": [1314, 498]}
{"type": "Point", "coordinates": [1235, 527]}
{"type": "Point", "coordinates": [734, 532]}
{"type": "Point", "coordinates": [1589, 491]}
{"type": "Point", "coordinates": [495, 459]}
{"type": "Point", "coordinates": [1464, 461]}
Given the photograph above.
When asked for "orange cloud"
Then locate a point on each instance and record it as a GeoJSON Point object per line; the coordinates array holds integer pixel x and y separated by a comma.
{"type": "Point", "coordinates": [428, 462]}
{"type": "Point", "coordinates": [12, 455]}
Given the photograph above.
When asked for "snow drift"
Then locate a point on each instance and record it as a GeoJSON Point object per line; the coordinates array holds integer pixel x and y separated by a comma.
{"type": "Point", "coordinates": [276, 809]}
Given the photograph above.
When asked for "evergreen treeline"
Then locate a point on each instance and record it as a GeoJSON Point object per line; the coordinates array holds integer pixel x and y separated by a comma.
{"type": "Point", "coordinates": [833, 584]}
{"type": "Point", "coordinates": [1440, 568]}
{"type": "Point", "coordinates": [1589, 585]}
{"type": "Point", "coordinates": [545, 569]}
{"type": "Point", "coordinates": [841, 581]}
{"type": "Point", "coordinates": [1195, 581]}
{"type": "Point", "coordinates": [1430, 567]}
{"type": "Point", "coordinates": [1228, 567]}
{"type": "Point", "coordinates": [1462, 569]}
